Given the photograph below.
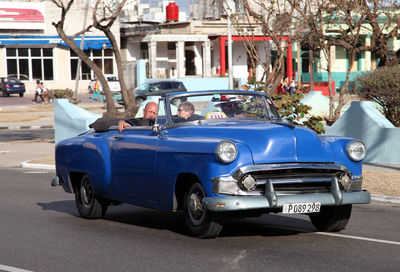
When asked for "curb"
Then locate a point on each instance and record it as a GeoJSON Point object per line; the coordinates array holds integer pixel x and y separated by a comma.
{"type": "Point", "coordinates": [387, 199]}
{"type": "Point", "coordinates": [27, 127]}
{"type": "Point", "coordinates": [27, 164]}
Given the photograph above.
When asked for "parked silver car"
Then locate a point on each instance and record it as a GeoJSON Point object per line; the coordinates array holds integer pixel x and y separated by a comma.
{"type": "Point", "coordinates": [112, 81]}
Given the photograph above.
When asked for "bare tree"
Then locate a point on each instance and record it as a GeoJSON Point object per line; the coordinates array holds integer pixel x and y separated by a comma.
{"type": "Point", "coordinates": [277, 22]}
{"type": "Point", "coordinates": [383, 21]}
{"type": "Point", "coordinates": [104, 14]}
{"type": "Point", "coordinates": [334, 23]}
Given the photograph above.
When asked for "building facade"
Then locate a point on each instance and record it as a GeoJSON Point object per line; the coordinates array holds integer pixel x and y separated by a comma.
{"type": "Point", "coordinates": [30, 48]}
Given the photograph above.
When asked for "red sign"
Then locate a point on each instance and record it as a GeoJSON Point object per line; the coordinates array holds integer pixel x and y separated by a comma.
{"type": "Point", "coordinates": [21, 15]}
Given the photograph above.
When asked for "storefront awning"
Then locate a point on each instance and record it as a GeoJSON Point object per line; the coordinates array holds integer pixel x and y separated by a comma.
{"type": "Point", "coordinates": [91, 42]}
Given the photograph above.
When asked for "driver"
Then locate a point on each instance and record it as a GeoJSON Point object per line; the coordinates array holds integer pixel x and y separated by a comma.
{"type": "Point", "coordinates": [149, 114]}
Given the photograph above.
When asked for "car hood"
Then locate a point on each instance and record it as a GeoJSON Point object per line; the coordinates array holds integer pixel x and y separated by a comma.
{"type": "Point", "coordinates": [272, 142]}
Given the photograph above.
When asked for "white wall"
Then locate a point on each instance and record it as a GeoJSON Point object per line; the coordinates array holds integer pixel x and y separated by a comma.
{"type": "Point", "coordinates": [239, 60]}
{"type": "Point", "coordinates": [133, 52]}
{"type": "Point", "coordinates": [198, 59]}
{"type": "Point", "coordinates": [162, 59]}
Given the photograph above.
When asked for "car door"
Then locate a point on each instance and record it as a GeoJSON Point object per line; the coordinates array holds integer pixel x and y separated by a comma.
{"type": "Point", "coordinates": [133, 164]}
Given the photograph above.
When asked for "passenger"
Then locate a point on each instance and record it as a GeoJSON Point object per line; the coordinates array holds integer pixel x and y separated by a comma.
{"type": "Point", "coordinates": [186, 113]}
{"type": "Point", "coordinates": [185, 110]}
{"type": "Point", "coordinates": [149, 115]}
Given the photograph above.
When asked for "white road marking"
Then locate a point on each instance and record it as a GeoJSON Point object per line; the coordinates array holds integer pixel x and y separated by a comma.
{"type": "Point", "coordinates": [3, 152]}
{"type": "Point", "coordinates": [359, 238]}
{"type": "Point", "coordinates": [12, 269]}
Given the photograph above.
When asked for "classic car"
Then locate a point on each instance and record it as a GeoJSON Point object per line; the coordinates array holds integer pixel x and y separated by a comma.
{"type": "Point", "coordinates": [234, 156]}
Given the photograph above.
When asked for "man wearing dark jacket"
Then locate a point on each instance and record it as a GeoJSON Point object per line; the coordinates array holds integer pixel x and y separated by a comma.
{"type": "Point", "coordinates": [149, 114]}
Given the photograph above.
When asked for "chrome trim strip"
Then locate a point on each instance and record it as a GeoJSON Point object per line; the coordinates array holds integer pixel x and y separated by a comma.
{"type": "Point", "coordinates": [282, 166]}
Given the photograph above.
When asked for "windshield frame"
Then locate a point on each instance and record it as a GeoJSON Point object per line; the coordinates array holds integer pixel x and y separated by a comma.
{"type": "Point", "coordinates": [170, 96]}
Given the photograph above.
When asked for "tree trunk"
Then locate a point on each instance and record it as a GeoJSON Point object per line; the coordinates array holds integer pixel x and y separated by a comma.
{"type": "Point", "coordinates": [311, 69]}
{"type": "Point", "coordinates": [127, 95]}
{"type": "Point", "coordinates": [343, 91]}
{"type": "Point", "coordinates": [111, 109]}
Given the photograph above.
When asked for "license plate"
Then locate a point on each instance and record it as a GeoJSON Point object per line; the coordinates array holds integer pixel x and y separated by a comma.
{"type": "Point", "coordinates": [307, 207]}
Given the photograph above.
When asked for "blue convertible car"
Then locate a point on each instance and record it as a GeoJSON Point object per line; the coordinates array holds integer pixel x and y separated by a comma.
{"type": "Point", "coordinates": [215, 154]}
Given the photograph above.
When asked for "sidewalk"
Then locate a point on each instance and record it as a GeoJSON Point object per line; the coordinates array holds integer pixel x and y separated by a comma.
{"type": "Point", "coordinates": [382, 181]}
{"type": "Point", "coordinates": [38, 116]}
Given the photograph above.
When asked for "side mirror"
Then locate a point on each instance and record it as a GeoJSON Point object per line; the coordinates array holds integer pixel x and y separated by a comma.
{"type": "Point", "coordinates": [156, 129]}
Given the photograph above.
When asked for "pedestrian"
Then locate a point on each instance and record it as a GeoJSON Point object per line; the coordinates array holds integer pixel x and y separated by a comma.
{"type": "Point", "coordinates": [96, 91]}
{"type": "Point", "coordinates": [38, 92]}
{"type": "Point", "coordinates": [292, 86]}
{"type": "Point", "coordinates": [44, 93]}
{"type": "Point", "coordinates": [286, 86]}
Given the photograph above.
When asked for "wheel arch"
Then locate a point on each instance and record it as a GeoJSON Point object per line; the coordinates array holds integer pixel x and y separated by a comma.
{"type": "Point", "coordinates": [75, 178]}
{"type": "Point", "coordinates": [183, 182]}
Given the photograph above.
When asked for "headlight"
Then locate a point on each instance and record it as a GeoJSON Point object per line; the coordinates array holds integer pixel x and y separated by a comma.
{"type": "Point", "coordinates": [356, 150]}
{"type": "Point", "coordinates": [226, 151]}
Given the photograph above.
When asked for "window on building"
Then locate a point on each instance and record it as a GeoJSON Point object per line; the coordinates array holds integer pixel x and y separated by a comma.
{"type": "Point", "coordinates": [144, 50]}
{"type": "Point", "coordinates": [104, 58]}
{"type": "Point", "coordinates": [171, 46]}
{"type": "Point", "coordinates": [30, 63]}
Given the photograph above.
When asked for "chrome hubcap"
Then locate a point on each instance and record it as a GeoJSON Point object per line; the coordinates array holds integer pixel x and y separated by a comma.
{"type": "Point", "coordinates": [196, 209]}
{"type": "Point", "coordinates": [86, 194]}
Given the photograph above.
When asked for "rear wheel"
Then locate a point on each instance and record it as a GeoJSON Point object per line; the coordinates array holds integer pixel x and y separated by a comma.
{"type": "Point", "coordinates": [89, 206]}
{"type": "Point", "coordinates": [21, 95]}
{"type": "Point", "coordinates": [200, 222]}
{"type": "Point", "coordinates": [331, 218]}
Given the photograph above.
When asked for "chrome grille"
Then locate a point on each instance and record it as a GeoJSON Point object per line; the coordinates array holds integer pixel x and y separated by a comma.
{"type": "Point", "coordinates": [296, 180]}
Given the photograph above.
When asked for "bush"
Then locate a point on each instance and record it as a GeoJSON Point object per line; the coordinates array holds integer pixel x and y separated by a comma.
{"type": "Point", "coordinates": [383, 87]}
{"type": "Point", "coordinates": [292, 109]}
{"type": "Point", "coordinates": [61, 93]}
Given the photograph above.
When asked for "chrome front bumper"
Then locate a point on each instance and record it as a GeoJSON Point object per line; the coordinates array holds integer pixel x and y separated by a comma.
{"type": "Point", "coordinates": [271, 199]}
{"type": "Point", "coordinates": [242, 203]}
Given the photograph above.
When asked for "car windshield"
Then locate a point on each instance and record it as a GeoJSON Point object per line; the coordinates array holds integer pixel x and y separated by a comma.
{"type": "Point", "coordinates": [220, 107]}
{"type": "Point", "coordinates": [142, 87]}
{"type": "Point", "coordinates": [11, 80]}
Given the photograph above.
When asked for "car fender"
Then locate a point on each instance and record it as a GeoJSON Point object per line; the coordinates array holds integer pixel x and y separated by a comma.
{"type": "Point", "coordinates": [87, 154]}
{"type": "Point", "coordinates": [338, 146]}
{"type": "Point", "coordinates": [196, 157]}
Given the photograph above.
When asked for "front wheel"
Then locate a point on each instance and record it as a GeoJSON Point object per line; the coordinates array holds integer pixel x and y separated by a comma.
{"type": "Point", "coordinates": [331, 218]}
{"type": "Point", "coordinates": [89, 206]}
{"type": "Point", "coordinates": [200, 222]}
